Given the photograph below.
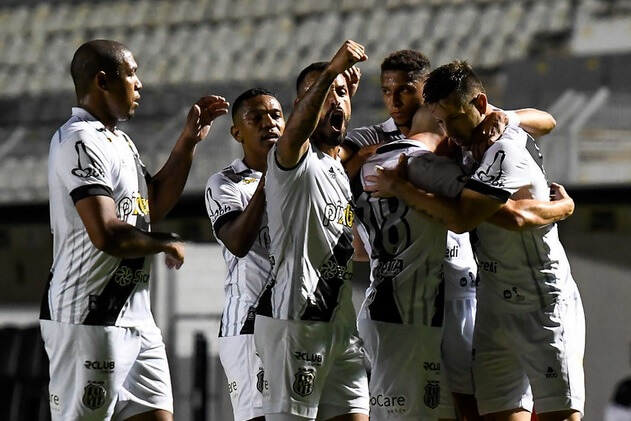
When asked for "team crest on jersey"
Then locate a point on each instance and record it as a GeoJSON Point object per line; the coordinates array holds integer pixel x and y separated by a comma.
{"type": "Point", "coordinates": [493, 173]}
{"type": "Point", "coordinates": [87, 166]}
{"type": "Point", "coordinates": [304, 381]}
{"type": "Point", "coordinates": [260, 380]}
{"type": "Point", "coordinates": [94, 395]}
{"type": "Point", "coordinates": [432, 394]}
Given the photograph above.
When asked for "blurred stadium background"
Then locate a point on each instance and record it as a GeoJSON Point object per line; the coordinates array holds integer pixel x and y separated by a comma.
{"type": "Point", "coordinates": [570, 57]}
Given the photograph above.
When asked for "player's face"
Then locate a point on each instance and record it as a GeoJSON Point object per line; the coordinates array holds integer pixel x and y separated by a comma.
{"type": "Point", "coordinates": [122, 89]}
{"type": "Point", "coordinates": [336, 111]}
{"type": "Point", "coordinates": [259, 124]}
{"type": "Point", "coordinates": [402, 94]}
{"type": "Point", "coordinates": [457, 119]}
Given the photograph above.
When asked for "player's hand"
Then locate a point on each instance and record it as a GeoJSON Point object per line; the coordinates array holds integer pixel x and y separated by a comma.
{"type": "Point", "coordinates": [174, 255]}
{"type": "Point", "coordinates": [385, 182]}
{"type": "Point", "coordinates": [558, 194]}
{"type": "Point", "coordinates": [348, 54]}
{"type": "Point", "coordinates": [201, 115]}
{"type": "Point", "coordinates": [352, 76]}
{"type": "Point", "coordinates": [487, 133]}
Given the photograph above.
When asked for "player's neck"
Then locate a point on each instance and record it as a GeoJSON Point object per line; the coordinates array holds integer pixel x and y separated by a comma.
{"type": "Point", "coordinates": [430, 140]}
{"type": "Point", "coordinates": [255, 164]}
{"type": "Point", "coordinates": [332, 150]}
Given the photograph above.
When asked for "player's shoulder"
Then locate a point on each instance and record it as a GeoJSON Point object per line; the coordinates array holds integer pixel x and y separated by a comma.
{"type": "Point", "coordinates": [234, 173]}
{"type": "Point", "coordinates": [376, 133]}
{"type": "Point", "coordinates": [513, 135]}
{"type": "Point", "coordinates": [512, 141]}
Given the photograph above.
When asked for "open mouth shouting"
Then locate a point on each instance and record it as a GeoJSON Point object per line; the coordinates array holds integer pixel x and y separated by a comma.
{"type": "Point", "coordinates": [336, 120]}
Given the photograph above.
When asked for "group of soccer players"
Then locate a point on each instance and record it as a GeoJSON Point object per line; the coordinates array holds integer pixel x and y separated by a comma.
{"type": "Point", "coordinates": [415, 327]}
{"type": "Point", "coordinates": [306, 197]}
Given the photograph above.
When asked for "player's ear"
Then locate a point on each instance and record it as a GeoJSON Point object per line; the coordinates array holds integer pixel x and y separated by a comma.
{"type": "Point", "coordinates": [480, 102]}
{"type": "Point", "coordinates": [234, 131]}
{"type": "Point", "coordinates": [101, 80]}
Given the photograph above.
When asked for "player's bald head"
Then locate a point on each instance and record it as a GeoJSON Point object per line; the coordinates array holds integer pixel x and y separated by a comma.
{"type": "Point", "coordinates": [95, 56]}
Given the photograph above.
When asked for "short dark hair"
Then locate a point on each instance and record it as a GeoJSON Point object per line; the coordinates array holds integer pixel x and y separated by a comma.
{"type": "Point", "coordinates": [250, 93]}
{"type": "Point", "coordinates": [95, 56]}
{"type": "Point", "coordinates": [457, 76]}
{"type": "Point", "coordinates": [414, 62]}
{"type": "Point", "coordinates": [318, 66]}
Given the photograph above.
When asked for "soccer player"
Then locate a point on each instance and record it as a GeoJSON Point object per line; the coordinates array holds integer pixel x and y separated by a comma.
{"type": "Point", "coordinates": [235, 201]}
{"type": "Point", "coordinates": [530, 328]}
{"type": "Point", "coordinates": [402, 76]}
{"type": "Point", "coordinates": [107, 357]}
{"type": "Point", "coordinates": [308, 343]}
{"type": "Point", "coordinates": [401, 320]}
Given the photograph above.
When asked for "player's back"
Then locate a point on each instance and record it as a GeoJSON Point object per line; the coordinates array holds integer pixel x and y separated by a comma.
{"type": "Point", "coordinates": [407, 249]}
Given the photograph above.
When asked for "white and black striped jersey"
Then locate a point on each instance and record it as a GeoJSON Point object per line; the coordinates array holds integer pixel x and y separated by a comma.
{"type": "Point", "coordinates": [228, 193]}
{"type": "Point", "coordinates": [86, 285]}
{"type": "Point", "coordinates": [407, 250]}
{"type": "Point", "coordinates": [371, 135]}
{"type": "Point", "coordinates": [519, 270]}
{"type": "Point", "coordinates": [310, 215]}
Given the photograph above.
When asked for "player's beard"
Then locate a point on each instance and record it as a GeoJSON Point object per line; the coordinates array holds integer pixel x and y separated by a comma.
{"type": "Point", "coordinates": [325, 134]}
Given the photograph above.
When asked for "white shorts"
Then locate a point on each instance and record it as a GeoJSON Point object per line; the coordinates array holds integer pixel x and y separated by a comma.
{"type": "Point", "coordinates": [313, 369]}
{"type": "Point", "coordinates": [244, 371]}
{"type": "Point", "coordinates": [406, 382]}
{"type": "Point", "coordinates": [105, 372]}
{"type": "Point", "coordinates": [536, 355]}
{"type": "Point", "coordinates": [458, 343]}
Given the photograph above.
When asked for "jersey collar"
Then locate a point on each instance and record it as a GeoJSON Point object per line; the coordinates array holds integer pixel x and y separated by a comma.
{"type": "Point", "coordinates": [238, 166]}
{"type": "Point", "coordinates": [84, 115]}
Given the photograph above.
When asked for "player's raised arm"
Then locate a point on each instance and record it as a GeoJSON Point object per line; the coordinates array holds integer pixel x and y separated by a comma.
{"type": "Point", "coordinates": [303, 120]}
{"type": "Point", "coordinates": [165, 187]}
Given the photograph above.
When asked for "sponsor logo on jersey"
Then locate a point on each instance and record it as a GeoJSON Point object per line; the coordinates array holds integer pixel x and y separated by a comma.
{"type": "Point", "coordinates": [389, 268]}
{"type": "Point", "coordinates": [332, 173]}
{"type": "Point", "coordinates": [339, 214]}
{"type": "Point", "coordinates": [250, 180]}
{"type": "Point", "coordinates": [488, 266]}
{"type": "Point", "coordinates": [431, 366]}
{"type": "Point", "coordinates": [136, 205]}
{"type": "Point", "coordinates": [331, 270]}
{"type": "Point", "coordinates": [451, 252]}
{"type": "Point", "coordinates": [219, 212]}
{"type": "Point", "coordinates": [304, 381]}
{"type": "Point", "coordinates": [232, 386]}
{"type": "Point", "coordinates": [551, 373]}
{"type": "Point", "coordinates": [125, 276]}
{"type": "Point", "coordinates": [493, 173]}
{"type": "Point", "coordinates": [508, 294]}
{"type": "Point", "coordinates": [94, 395]}
{"type": "Point", "coordinates": [392, 404]}
{"type": "Point", "coordinates": [313, 358]}
{"type": "Point", "coordinates": [100, 365]}
{"type": "Point", "coordinates": [432, 394]}
{"type": "Point", "coordinates": [54, 402]}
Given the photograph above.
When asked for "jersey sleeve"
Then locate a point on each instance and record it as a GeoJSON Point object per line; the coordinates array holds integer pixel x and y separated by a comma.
{"type": "Point", "coordinates": [436, 174]}
{"type": "Point", "coordinates": [362, 136]}
{"type": "Point", "coordinates": [503, 170]}
{"type": "Point", "coordinates": [84, 167]}
{"type": "Point", "coordinates": [223, 200]}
